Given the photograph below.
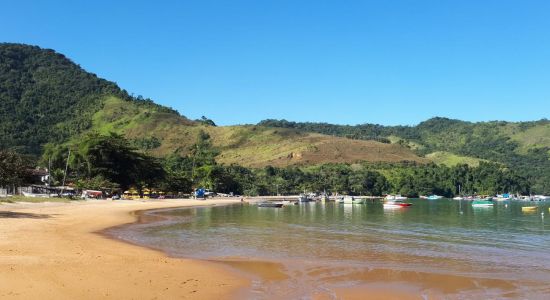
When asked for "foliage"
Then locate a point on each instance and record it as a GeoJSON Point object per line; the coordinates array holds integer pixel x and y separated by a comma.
{"type": "Point", "coordinates": [13, 168]}
{"type": "Point", "coordinates": [206, 121]}
{"type": "Point", "coordinates": [523, 147]}
{"type": "Point", "coordinates": [45, 97]}
{"type": "Point", "coordinates": [106, 160]}
{"type": "Point", "coordinates": [146, 143]}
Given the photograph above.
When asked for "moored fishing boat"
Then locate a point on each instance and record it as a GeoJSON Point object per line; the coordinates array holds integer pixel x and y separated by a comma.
{"type": "Point", "coordinates": [529, 209]}
{"type": "Point", "coordinates": [396, 203]}
{"type": "Point", "coordinates": [353, 200]}
{"type": "Point", "coordinates": [482, 203]}
{"type": "Point", "coordinates": [503, 197]}
{"type": "Point", "coordinates": [269, 204]}
{"type": "Point", "coordinates": [395, 197]}
{"type": "Point", "coordinates": [458, 198]}
{"type": "Point", "coordinates": [304, 198]}
{"type": "Point", "coordinates": [434, 197]}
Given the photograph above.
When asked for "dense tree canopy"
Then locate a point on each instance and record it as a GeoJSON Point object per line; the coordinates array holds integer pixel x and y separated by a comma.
{"type": "Point", "coordinates": [106, 159]}
{"type": "Point", "coordinates": [14, 168]}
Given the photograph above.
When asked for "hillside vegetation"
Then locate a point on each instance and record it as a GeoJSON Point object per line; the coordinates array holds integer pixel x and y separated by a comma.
{"type": "Point", "coordinates": [522, 146]}
{"type": "Point", "coordinates": [49, 107]}
{"type": "Point", "coordinates": [46, 98]}
{"type": "Point", "coordinates": [161, 134]}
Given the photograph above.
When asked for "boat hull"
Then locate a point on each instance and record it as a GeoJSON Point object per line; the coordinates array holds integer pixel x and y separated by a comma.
{"type": "Point", "coordinates": [482, 203]}
{"type": "Point", "coordinates": [274, 205]}
{"type": "Point", "coordinates": [391, 205]}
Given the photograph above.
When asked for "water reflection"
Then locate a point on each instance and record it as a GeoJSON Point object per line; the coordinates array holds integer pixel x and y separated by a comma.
{"type": "Point", "coordinates": [499, 242]}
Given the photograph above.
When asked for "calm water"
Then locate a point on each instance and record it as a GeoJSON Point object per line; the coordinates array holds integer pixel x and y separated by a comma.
{"type": "Point", "coordinates": [442, 247]}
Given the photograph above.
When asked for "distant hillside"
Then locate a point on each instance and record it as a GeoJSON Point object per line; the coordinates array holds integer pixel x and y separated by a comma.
{"type": "Point", "coordinates": [46, 98]}
{"type": "Point", "coordinates": [524, 146]}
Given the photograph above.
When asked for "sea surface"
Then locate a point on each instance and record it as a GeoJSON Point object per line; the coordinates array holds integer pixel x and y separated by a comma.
{"type": "Point", "coordinates": [433, 249]}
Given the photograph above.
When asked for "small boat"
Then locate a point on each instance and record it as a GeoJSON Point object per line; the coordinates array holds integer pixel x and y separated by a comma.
{"type": "Point", "coordinates": [503, 197]}
{"type": "Point", "coordinates": [541, 198]}
{"type": "Point", "coordinates": [395, 197]}
{"type": "Point", "coordinates": [529, 208]}
{"type": "Point", "coordinates": [353, 200]}
{"type": "Point", "coordinates": [458, 198]}
{"type": "Point", "coordinates": [434, 197]}
{"type": "Point", "coordinates": [304, 198]}
{"type": "Point", "coordinates": [270, 204]}
{"type": "Point", "coordinates": [33, 195]}
{"type": "Point", "coordinates": [482, 203]}
{"type": "Point", "coordinates": [287, 202]}
{"type": "Point", "coordinates": [396, 203]}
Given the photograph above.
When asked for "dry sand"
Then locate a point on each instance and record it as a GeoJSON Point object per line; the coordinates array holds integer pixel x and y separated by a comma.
{"type": "Point", "coordinates": [53, 251]}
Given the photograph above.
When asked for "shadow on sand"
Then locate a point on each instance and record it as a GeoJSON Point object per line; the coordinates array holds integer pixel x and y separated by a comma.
{"type": "Point", "coordinates": [17, 215]}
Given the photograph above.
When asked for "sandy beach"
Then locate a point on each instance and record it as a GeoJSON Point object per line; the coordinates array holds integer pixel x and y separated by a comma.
{"type": "Point", "coordinates": [54, 251]}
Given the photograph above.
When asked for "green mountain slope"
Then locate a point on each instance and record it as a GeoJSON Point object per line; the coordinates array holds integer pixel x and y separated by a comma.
{"type": "Point", "coordinates": [46, 98]}
{"type": "Point", "coordinates": [252, 146]}
{"type": "Point", "coordinates": [523, 146]}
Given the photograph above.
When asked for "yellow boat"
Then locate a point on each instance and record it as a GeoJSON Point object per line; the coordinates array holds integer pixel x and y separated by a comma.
{"type": "Point", "coordinates": [529, 208]}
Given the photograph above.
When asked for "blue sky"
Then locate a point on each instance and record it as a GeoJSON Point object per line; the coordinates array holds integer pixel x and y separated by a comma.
{"type": "Point", "coordinates": [345, 62]}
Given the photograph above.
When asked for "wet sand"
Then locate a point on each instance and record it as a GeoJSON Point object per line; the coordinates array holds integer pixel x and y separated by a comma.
{"type": "Point", "coordinates": [54, 251]}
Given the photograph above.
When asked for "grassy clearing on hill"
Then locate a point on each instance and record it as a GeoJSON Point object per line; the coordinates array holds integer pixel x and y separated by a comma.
{"type": "Point", "coordinates": [450, 159]}
{"type": "Point", "coordinates": [535, 137]}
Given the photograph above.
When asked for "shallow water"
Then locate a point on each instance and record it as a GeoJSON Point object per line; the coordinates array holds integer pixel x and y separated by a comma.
{"type": "Point", "coordinates": [442, 248]}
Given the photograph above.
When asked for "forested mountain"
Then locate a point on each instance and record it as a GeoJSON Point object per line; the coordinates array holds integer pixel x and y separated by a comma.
{"type": "Point", "coordinates": [45, 97]}
{"type": "Point", "coordinates": [50, 106]}
{"type": "Point", "coordinates": [522, 146]}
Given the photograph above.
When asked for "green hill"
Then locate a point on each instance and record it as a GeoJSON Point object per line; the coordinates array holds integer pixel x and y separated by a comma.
{"type": "Point", "coordinates": [522, 146]}
{"type": "Point", "coordinates": [251, 146]}
{"type": "Point", "coordinates": [46, 98]}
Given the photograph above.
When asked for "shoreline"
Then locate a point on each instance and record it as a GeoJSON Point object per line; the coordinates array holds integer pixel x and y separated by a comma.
{"type": "Point", "coordinates": [369, 283]}
{"type": "Point", "coordinates": [58, 251]}
{"type": "Point", "coordinates": [63, 251]}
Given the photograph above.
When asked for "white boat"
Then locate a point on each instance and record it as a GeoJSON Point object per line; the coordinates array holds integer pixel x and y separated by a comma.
{"type": "Point", "coordinates": [353, 200]}
{"type": "Point", "coordinates": [434, 197]}
{"type": "Point", "coordinates": [503, 197]}
{"type": "Point", "coordinates": [395, 197]}
{"type": "Point", "coordinates": [33, 195]}
{"type": "Point", "coordinates": [482, 203]}
{"type": "Point", "coordinates": [458, 198]}
{"type": "Point", "coordinates": [542, 197]}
